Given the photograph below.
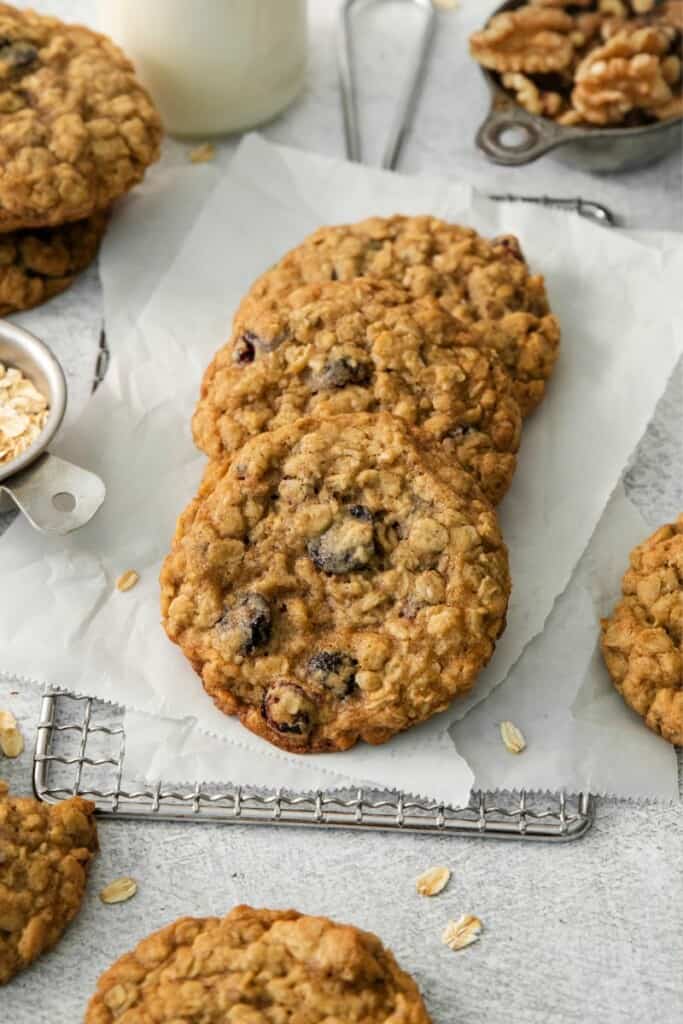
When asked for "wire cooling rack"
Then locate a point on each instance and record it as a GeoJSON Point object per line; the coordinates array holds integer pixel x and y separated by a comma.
{"type": "Point", "coordinates": [81, 749]}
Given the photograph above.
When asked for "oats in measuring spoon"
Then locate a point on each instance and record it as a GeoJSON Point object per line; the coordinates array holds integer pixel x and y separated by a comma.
{"type": "Point", "coordinates": [23, 413]}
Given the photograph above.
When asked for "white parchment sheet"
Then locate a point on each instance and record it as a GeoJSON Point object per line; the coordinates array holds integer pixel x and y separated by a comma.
{"type": "Point", "coordinates": [619, 303]}
{"type": "Point", "coordinates": [581, 736]}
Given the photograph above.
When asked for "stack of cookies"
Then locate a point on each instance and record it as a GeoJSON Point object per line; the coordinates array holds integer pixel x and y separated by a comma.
{"type": "Point", "coordinates": [341, 575]}
{"type": "Point", "coordinates": [77, 130]}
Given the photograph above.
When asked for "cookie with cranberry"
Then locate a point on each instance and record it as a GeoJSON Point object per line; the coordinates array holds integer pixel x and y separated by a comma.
{"type": "Point", "coordinates": [258, 967]}
{"type": "Point", "coordinates": [479, 281]}
{"type": "Point", "coordinates": [642, 640]}
{"type": "Point", "coordinates": [37, 264]}
{"type": "Point", "coordinates": [362, 346]}
{"type": "Point", "coordinates": [77, 129]}
{"type": "Point", "coordinates": [336, 581]}
{"type": "Point", "coordinates": [44, 856]}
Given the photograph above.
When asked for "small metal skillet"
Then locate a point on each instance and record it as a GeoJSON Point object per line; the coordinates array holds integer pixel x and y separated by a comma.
{"type": "Point", "coordinates": [512, 136]}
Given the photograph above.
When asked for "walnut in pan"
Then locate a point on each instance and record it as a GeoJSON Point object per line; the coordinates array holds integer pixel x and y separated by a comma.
{"type": "Point", "coordinates": [598, 63]}
{"type": "Point", "coordinates": [628, 73]}
{"type": "Point", "coordinates": [536, 100]}
{"type": "Point", "coordinates": [530, 40]}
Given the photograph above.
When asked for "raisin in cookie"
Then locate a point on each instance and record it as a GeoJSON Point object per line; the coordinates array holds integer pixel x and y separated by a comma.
{"type": "Point", "coordinates": [76, 128]}
{"type": "Point", "coordinates": [36, 265]}
{"type": "Point", "coordinates": [336, 581]}
{"type": "Point", "coordinates": [44, 856]}
{"type": "Point", "coordinates": [258, 967]}
{"type": "Point", "coordinates": [362, 346]}
{"type": "Point", "coordinates": [481, 282]}
{"type": "Point", "coordinates": [642, 640]}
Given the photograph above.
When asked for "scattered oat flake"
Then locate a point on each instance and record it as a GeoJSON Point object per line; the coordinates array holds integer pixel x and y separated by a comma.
{"type": "Point", "coordinates": [512, 737]}
{"type": "Point", "coordinates": [11, 742]}
{"type": "Point", "coordinates": [463, 932]}
{"type": "Point", "coordinates": [120, 890]}
{"type": "Point", "coordinates": [433, 881]}
{"type": "Point", "coordinates": [7, 721]}
{"type": "Point", "coordinates": [127, 580]}
{"type": "Point", "coordinates": [202, 154]}
{"type": "Point", "coordinates": [447, 5]}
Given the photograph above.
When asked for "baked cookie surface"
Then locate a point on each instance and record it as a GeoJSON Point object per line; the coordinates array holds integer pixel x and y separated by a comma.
{"type": "Point", "coordinates": [44, 856]}
{"type": "Point", "coordinates": [260, 967]}
{"type": "Point", "coordinates": [36, 265]}
{"type": "Point", "coordinates": [642, 640]}
{"type": "Point", "coordinates": [336, 581]}
{"type": "Point", "coordinates": [362, 346]}
{"type": "Point", "coordinates": [480, 282]}
{"type": "Point", "coordinates": [76, 128]}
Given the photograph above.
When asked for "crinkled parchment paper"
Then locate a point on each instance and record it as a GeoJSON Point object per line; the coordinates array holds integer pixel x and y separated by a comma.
{"type": "Point", "coordinates": [619, 303]}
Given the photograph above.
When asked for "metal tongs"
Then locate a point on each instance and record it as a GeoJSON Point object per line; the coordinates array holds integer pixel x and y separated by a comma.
{"type": "Point", "coordinates": [407, 102]}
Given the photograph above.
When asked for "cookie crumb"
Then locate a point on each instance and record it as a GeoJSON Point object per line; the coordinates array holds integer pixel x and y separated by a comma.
{"type": "Point", "coordinates": [203, 154]}
{"type": "Point", "coordinates": [120, 890]}
{"type": "Point", "coordinates": [512, 737]}
{"type": "Point", "coordinates": [463, 932]}
{"type": "Point", "coordinates": [127, 580]}
{"type": "Point", "coordinates": [433, 881]}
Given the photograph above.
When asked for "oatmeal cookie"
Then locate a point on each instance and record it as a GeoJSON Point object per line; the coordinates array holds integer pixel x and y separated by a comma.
{"type": "Point", "coordinates": [44, 856]}
{"type": "Point", "coordinates": [76, 128]}
{"type": "Point", "coordinates": [642, 640]}
{"type": "Point", "coordinates": [474, 279]}
{"type": "Point", "coordinates": [362, 346]}
{"type": "Point", "coordinates": [336, 580]}
{"type": "Point", "coordinates": [36, 265]}
{"type": "Point", "coordinates": [259, 967]}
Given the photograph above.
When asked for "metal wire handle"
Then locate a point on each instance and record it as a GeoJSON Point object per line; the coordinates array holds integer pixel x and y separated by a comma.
{"type": "Point", "coordinates": [408, 99]}
{"type": "Point", "coordinates": [584, 207]}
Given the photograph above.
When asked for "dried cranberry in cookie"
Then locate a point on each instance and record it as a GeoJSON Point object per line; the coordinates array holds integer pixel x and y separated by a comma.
{"type": "Point", "coordinates": [348, 545]}
{"type": "Point", "coordinates": [335, 671]}
{"type": "Point", "coordinates": [476, 280]}
{"type": "Point", "coordinates": [364, 346]}
{"type": "Point", "coordinates": [338, 580]}
{"type": "Point", "coordinates": [248, 622]}
{"type": "Point", "coordinates": [288, 710]}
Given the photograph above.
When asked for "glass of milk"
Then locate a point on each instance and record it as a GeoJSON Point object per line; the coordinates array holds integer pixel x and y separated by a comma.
{"type": "Point", "coordinates": [213, 66]}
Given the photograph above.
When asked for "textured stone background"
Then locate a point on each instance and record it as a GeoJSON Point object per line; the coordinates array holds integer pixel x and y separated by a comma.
{"type": "Point", "coordinates": [585, 932]}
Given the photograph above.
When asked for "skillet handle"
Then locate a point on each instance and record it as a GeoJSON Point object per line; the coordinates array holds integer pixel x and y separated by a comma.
{"type": "Point", "coordinates": [513, 137]}
{"type": "Point", "coordinates": [55, 496]}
